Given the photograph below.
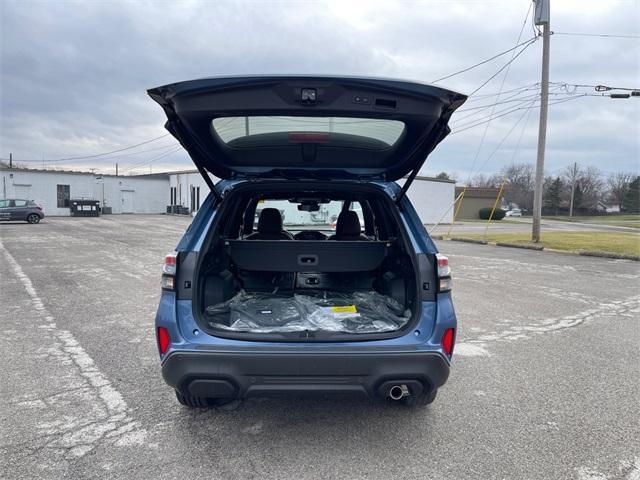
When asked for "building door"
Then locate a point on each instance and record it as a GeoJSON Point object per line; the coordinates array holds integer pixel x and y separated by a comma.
{"type": "Point", "coordinates": [23, 192]}
{"type": "Point", "coordinates": [126, 197]}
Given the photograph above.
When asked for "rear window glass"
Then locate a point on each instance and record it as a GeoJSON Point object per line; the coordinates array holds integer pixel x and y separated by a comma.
{"type": "Point", "coordinates": [292, 218]}
{"type": "Point", "coordinates": [232, 128]}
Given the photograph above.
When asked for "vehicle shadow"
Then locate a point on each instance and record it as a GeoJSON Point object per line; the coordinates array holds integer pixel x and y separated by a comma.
{"type": "Point", "coordinates": [305, 427]}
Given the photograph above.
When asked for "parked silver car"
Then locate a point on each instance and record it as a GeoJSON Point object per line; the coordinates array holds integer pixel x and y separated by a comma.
{"type": "Point", "coordinates": [18, 209]}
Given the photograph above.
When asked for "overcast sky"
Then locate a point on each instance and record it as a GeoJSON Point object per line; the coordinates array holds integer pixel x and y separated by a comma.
{"type": "Point", "coordinates": [74, 75]}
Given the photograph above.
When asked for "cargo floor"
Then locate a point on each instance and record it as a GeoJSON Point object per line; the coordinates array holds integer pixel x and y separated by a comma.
{"type": "Point", "coordinates": [354, 312]}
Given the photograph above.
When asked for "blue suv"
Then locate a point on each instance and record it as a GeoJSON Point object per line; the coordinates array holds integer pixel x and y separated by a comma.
{"type": "Point", "coordinates": [307, 269]}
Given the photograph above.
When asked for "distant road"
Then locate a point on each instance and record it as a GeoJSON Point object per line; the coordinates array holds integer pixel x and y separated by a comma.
{"type": "Point", "coordinates": [524, 225]}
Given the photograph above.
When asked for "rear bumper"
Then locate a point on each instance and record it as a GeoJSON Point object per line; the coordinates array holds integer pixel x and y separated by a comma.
{"type": "Point", "coordinates": [244, 374]}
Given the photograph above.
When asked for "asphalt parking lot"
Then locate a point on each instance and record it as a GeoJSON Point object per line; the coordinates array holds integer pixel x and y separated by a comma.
{"type": "Point", "coordinates": [545, 382]}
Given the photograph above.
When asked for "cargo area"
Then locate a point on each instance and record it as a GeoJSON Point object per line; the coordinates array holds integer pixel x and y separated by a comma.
{"type": "Point", "coordinates": [348, 312]}
{"type": "Point", "coordinates": [303, 265]}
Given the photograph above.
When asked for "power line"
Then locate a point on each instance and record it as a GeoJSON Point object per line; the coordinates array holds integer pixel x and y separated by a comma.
{"type": "Point", "coordinates": [501, 102]}
{"type": "Point", "coordinates": [467, 127]}
{"type": "Point", "coordinates": [525, 113]}
{"type": "Point", "coordinates": [114, 157]}
{"type": "Point", "coordinates": [511, 99]}
{"type": "Point", "coordinates": [607, 35]}
{"type": "Point", "coordinates": [598, 88]}
{"type": "Point", "coordinates": [531, 40]}
{"type": "Point", "coordinates": [507, 100]}
{"type": "Point", "coordinates": [158, 157]}
{"type": "Point", "coordinates": [504, 66]}
{"type": "Point", "coordinates": [96, 155]}
{"type": "Point", "coordinates": [524, 88]}
{"type": "Point", "coordinates": [508, 67]}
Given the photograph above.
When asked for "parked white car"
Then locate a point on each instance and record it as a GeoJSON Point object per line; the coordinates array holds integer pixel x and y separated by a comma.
{"type": "Point", "coordinates": [516, 212]}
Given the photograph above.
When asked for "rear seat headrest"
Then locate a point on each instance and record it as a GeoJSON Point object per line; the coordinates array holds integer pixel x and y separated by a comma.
{"type": "Point", "coordinates": [270, 221]}
{"type": "Point", "coordinates": [348, 224]}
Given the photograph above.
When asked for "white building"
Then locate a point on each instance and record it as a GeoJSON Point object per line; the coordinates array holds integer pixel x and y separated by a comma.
{"type": "Point", "coordinates": [188, 189]}
{"type": "Point", "coordinates": [432, 197]}
{"type": "Point", "coordinates": [54, 189]}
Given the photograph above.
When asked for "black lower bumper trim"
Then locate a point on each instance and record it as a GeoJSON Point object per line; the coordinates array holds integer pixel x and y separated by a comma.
{"type": "Point", "coordinates": [240, 375]}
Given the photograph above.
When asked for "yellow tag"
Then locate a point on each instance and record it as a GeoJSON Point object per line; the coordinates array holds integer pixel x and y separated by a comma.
{"type": "Point", "coordinates": [345, 309]}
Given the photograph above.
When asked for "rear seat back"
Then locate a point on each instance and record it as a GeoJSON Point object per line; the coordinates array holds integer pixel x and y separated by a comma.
{"type": "Point", "coordinates": [270, 227]}
{"type": "Point", "coordinates": [348, 227]}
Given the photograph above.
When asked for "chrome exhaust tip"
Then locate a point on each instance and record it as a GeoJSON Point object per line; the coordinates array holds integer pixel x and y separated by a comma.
{"type": "Point", "coordinates": [398, 391]}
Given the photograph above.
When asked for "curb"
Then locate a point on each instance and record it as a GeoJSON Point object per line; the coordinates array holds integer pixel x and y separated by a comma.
{"type": "Point", "coordinates": [618, 256]}
{"type": "Point", "coordinates": [538, 248]}
{"type": "Point", "coordinates": [469, 240]}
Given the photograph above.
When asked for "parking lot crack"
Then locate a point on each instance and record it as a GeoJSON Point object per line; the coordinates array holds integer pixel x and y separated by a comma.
{"type": "Point", "coordinates": [617, 308]}
{"type": "Point", "coordinates": [78, 438]}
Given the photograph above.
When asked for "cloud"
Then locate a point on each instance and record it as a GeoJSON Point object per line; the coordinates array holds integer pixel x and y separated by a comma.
{"type": "Point", "coordinates": [73, 76]}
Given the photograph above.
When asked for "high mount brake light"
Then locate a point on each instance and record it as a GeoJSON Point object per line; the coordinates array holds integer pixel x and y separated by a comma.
{"type": "Point", "coordinates": [308, 137]}
{"type": "Point", "coordinates": [444, 273]}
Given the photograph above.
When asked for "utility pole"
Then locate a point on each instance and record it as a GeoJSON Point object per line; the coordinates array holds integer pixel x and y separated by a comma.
{"type": "Point", "coordinates": [542, 18]}
{"type": "Point", "coordinates": [116, 169]}
{"type": "Point", "coordinates": [573, 187]}
{"type": "Point", "coordinates": [11, 160]}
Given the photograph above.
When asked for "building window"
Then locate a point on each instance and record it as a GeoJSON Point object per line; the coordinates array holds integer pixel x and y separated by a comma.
{"type": "Point", "coordinates": [64, 196]}
{"type": "Point", "coordinates": [173, 196]}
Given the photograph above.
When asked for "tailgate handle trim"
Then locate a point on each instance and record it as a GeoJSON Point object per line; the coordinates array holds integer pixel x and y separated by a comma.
{"type": "Point", "coordinates": [307, 259]}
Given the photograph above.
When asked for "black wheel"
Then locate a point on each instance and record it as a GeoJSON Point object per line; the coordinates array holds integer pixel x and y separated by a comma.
{"type": "Point", "coordinates": [203, 402]}
{"type": "Point", "coordinates": [33, 218]}
{"type": "Point", "coordinates": [193, 402]}
{"type": "Point", "coordinates": [421, 400]}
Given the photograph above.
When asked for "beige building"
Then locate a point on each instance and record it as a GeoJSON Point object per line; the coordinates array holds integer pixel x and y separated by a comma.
{"type": "Point", "coordinates": [474, 199]}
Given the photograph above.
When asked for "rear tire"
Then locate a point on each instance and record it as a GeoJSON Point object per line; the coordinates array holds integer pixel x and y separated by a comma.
{"type": "Point", "coordinates": [192, 402]}
{"type": "Point", "coordinates": [33, 218]}
{"type": "Point", "coordinates": [201, 402]}
{"type": "Point", "coordinates": [421, 400]}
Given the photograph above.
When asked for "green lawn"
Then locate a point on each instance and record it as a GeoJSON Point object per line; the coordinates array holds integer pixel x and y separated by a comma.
{"type": "Point", "coordinates": [596, 218]}
{"type": "Point", "coordinates": [496, 222]}
{"type": "Point", "coordinates": [613, 242]}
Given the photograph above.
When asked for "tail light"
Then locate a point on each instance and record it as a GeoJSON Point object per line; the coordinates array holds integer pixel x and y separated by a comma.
{"type": "Point", "coordinates": [169, 270]}
{"type": "Point", "coordinates": [444, 273]}
{"type": "Point", "coordinates": [164, 340]}
{"type": "Point", "coordinates": [448, 340]}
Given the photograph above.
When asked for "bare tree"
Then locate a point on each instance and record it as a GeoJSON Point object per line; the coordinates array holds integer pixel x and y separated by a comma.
{"type": "Point", "coordinates": [444, 176]}
{"type": "Point", "coordinates": [486, 181]}
{"type": "Point", "coordinates": [590, 181]}
{"type": "Point", "coordinates": [618, 184]}
{"type": "Point", "coordinates": [520, 182]}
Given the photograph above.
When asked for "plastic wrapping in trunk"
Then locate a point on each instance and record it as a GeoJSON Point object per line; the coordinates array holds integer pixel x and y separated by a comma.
{"type": "Point", "coordinates": [356, 312]}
